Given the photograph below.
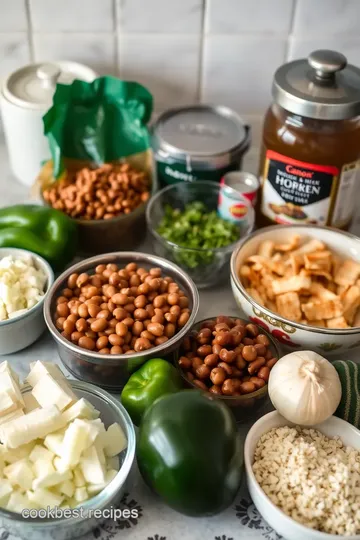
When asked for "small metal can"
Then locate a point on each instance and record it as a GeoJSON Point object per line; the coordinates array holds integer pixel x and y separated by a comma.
{"type": "Point", "coordinates": [234, 186]}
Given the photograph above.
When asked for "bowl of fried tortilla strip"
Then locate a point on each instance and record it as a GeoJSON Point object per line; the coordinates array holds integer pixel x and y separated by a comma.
{"type": "Point", "coordinates": [302, 284]}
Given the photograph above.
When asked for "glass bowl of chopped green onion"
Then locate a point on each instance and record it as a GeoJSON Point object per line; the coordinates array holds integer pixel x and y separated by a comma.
{"type": "Point", "coordinates": [186, 229]}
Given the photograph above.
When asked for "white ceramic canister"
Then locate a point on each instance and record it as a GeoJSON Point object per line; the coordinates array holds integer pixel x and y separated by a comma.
{"type": "Point", "coordinates": [25, 97]}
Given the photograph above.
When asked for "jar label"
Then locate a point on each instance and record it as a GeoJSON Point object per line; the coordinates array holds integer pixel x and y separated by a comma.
{"type": "Point", "coordinates": [297, 192]}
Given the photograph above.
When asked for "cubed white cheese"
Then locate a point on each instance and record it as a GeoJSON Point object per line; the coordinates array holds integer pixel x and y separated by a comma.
{"type": "Point", "coordinates": [79, 479]}
{"type": "Point", "coordinates": [39, 452]}
{"type": "Point", "coordinates": [52, 479]}
{"type": "Point", "coordinates": [92, 429]}
{"type": "Point", "coordinates": [39, 369]}
{"type": "Point", "coordinates": [81, 494]}
{"type": "Point", "coordinates": [74, 443]}
{"type": "Point", "coordinates": [91, 466]}
{"type": "Point", "coordinates": [15, 454]}
{"type": "Point", "coordinates": [43, 467]}
{"type": "Point", "coordinates": [44, 497]}
{"type": "Point", "coordinates": [20, 474]}
{"type": "Point", "coordinates": [5, 366]}
{"type": "Point", "coordinates": [5, 491]}
{"type": "Point", "coordinates": [11, 416]}
{"type": "Point", "coordinates": [93, 489]}
{"type": "Point", "coordinates": [49, 391]}
{"type": "Point", "coordinates": [30, 402]}
{"type": "Point", "coordinates": [31, 426]}
{"type": "Point", "coordinates": [18, 502]}
{"type": "Point", "coordinates": [54, 442]}
{"type": "Point", "coordinates": [9, 384]}
{"type": "Point", "coordinates": [80, 409]}
{"type": "Point", "coordinates": [7, 403]}
{"type": "Point", "coordinates": [67, 488]}
{"type": "Point", "coordinates": [115, 440]}
{"type": "Point", "coordinates": [60, 465]}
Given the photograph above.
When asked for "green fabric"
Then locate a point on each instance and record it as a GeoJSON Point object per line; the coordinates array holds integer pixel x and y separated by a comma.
{"type": "Point", "coordinates": [349, 407]}
{"type": "Point", "coordinates": [45, 231]}
{"type": "Point", "coordinates": [97, 122]}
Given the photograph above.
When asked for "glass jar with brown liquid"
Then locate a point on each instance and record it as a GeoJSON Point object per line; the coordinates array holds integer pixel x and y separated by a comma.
{"type": "Point", "coordinates": [310, 159]}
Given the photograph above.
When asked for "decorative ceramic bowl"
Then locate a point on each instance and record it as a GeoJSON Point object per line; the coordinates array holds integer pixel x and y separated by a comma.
{"type": "Point", "coordinates": [294, 335]}
{"type": "Point", "coordinates": [283, 524]}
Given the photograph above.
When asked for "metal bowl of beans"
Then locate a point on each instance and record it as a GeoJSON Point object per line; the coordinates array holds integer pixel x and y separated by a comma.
{"type": "Point", "coordinates": [110, 313]}
{"type": "Point", "coordinates": [108, 204]}
{"type": "Point", "coordinates": [231, 358]}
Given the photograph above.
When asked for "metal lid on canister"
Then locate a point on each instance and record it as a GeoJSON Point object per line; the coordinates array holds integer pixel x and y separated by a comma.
{"type": "Point", "coordinates": [33, 86]}
{"type": "Point", "coordinates": [323, 86]}
{"type": "Point", "coordinates": [200, 132]}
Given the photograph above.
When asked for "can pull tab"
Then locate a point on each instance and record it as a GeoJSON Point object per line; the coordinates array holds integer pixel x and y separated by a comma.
{"type": "Point", "coordinates": [326, 63]}
{"type": "Point", "coordinates": [48, 75]}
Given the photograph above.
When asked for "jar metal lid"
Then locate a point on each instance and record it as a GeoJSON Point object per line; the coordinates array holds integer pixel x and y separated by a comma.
{"type": "Point", "coordinates": [323, 86]}
{"type": "Point", "coordinates": [33, 86]}
{"type": "Point", "coordinates": [199, 133]}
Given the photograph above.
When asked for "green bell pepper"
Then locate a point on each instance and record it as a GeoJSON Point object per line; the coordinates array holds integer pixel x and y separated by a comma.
{"type": "Point", "coordinates": [45, 231]}
{"type": "Point", "coordinates": [190, 452]}
{"type": "Point", "coordinates": [154, 379]}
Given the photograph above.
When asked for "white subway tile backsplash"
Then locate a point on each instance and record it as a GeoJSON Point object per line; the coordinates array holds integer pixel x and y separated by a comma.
{"type": "Point", "coordinates": [160, 16]}
{"type": "Point", "coordinates": [95, 50]}
{"type": "Point", "coordinates": [12, 16]}
{"type": "Point", "coordinates": [14, 52]}
{"type": "Point", "coordinates": [70, 16]}
{"type": "Point", "coordinates": [301, 48]}
{"type": "Point", "coordinates": [167, 65]}
{"type": "Point", "coordinates": [238, 71]}
{"type": "Point", "coordinates": [327, 17]}
{"type": "Point", "coordinates": [245, 16]}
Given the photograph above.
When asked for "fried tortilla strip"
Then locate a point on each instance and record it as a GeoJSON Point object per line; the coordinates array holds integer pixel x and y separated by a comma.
{"type": "Point", "coordinates": [296, 262]}
{"type": "Point", "coordinates": [293, 244]}
{"type": "Point", "coordinates": [350, 301]}
{"type": "Point", "coordinates": [356, 321]}
{"type": "Point", "coordinates": [347, 273]}
{"type": "Point", "coordinates": [320, 323]}
{"type": "Point", "coordinates": [288, 306]}
{"type": "Point", "coordinates": [255, 295]}
{"type": "Point", "coordinates": [341, 289]}
{"type": "Point", "coordinates": [320, 260]}
{"type": "Point", "coordinates": [291, 284]}
{"type": "Point", "coordinates": [267, 281]}
{"type": "Point", "coordinates": [244, 271]}
{"type": "Point", "coordinates": [317, 273]}
{"type": "Point", "coordinates": [309, 247]}
{"type": "Point", "coordinates": [338, 322]}
{"type": "Point", "coordinates": [322, 292]}
{"type": "Point", "coordinates": [266, 249]}
{"type": "Point", "coordinates": [261, 262]}
{"type": "Point", "coordinates": [326, 309]}
{"type": "Point", "coordinates": [332, 287]}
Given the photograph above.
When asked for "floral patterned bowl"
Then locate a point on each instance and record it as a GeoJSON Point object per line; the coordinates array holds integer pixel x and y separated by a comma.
{"type": "Point", "coordinates": [293, 335]}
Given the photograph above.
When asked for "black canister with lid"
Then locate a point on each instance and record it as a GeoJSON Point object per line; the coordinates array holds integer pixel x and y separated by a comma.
{"type": "Point", "coordinates": [198, 143]}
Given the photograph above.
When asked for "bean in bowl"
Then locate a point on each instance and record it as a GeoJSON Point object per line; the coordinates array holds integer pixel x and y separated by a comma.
{"type": "Point", "coordinates": [227, 356]}
{"type": "Point", "coordinates": [121, 310]}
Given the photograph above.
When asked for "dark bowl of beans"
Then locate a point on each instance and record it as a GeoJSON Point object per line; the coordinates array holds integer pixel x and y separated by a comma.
{"type": "Point", "coordinates": [110, 313]}
{"type": "Point", "coordinates": [231, 358]}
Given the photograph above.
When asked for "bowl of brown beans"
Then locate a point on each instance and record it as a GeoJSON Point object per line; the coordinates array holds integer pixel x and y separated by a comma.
{"type": "Point", "coordinates": [231, 358]}
{"type": "Point", "coordinates": [108, 204]}
{"type": "Point", "coordinates": [110, 313]}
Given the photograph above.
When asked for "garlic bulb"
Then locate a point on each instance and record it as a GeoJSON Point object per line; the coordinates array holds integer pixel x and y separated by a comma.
{"type": "Point", "coordinates": [305, 388]}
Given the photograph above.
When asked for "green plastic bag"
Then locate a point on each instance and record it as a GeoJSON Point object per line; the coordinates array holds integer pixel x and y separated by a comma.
{"type": "Point", "coordinates": [94, 123]}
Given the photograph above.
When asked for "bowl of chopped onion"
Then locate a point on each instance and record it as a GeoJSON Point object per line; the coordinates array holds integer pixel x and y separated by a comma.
{"type": "Point", "coordinates": [304, 481]}
{"type": "Point", "coordinates": [25, 279]}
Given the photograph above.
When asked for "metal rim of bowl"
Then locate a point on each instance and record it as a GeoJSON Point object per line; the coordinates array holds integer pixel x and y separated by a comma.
{"type": "Point", "coordinates": [272, 314]}
{"type": "Point", "coordinates": [50, 281]}
{"type": "Point", "coordinates": [243, 397]}
{"type": "Point", "coordinates": [116, 483]}
{"type": "Point", "coordinates": [210, 184]}
{"type": "Point", "coordinates": [104, 259]}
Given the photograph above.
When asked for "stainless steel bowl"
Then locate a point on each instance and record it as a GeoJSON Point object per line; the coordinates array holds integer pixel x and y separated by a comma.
{"type": "Point", "coordinates": [111, 371]}
{"type": "Point", "coordinates": [111, 411]}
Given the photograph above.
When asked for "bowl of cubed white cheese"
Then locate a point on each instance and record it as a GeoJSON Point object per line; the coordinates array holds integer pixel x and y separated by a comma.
{"type": "Point", "coordinates": [67, 448]}
{"type": "Point", "coordinates": [25, 279]}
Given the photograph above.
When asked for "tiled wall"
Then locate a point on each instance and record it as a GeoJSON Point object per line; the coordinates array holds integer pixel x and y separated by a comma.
{"type": "Point", "coordinates": [220, 51]}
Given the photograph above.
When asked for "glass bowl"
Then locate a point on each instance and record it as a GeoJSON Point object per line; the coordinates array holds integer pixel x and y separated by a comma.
{"type": "Point", "coordinates": [111, 411]}
{"type": "Point", "coordinates": [246, 406]}
{"type": "Point", "coordinates": [204, 266]}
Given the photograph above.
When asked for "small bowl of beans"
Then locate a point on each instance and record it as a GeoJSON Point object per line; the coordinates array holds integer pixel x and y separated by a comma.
{"type": "Point", "coordinates": [110, 313]}
{"type": "Point", "coordinates": [231, 358]}
{"type": "Point", "coordinates": [107, 202]}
